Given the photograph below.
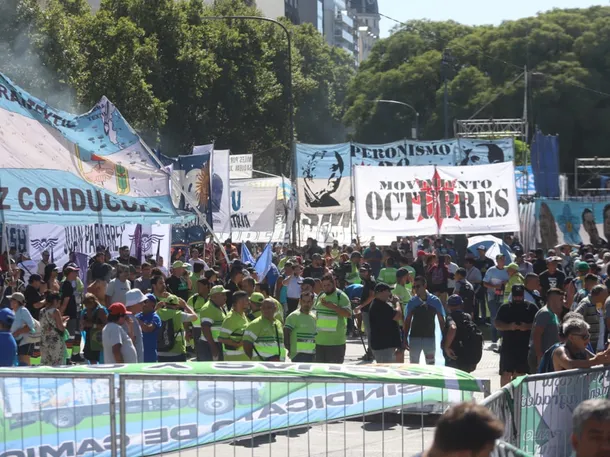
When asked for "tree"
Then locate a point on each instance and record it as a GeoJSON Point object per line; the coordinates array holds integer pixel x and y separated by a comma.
{"type": "Point", "coordinates": [565, 52]}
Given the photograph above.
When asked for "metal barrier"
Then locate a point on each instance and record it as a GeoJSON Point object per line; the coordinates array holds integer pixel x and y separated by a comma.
{"type": "Point", "coordinates": [537, 410]}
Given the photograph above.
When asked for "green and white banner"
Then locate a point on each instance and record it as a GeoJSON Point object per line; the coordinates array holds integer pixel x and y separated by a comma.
{"type": "Point", "coordinates": [174, 406]}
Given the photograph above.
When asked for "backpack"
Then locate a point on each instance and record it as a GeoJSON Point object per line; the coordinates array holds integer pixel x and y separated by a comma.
{"type": "Point", "coordinates": [437, 275]}
{"type": "Point", "coordinates": [468, 340]}
{"type": "Point", "coordinates": [467, 294]}
{"type": "Point", "coordinates": [546, 362]}
{"type": "Point", "coordinates": [166, 338]}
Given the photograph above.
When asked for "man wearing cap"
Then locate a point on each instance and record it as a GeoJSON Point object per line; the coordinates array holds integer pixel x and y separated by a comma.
{"type": "Point", "coordinates": [233, 327]}
{"type": "Point", "coordinates": [420, 263]}
{"type": "Point", "coordinates": [384, 318]}
{"type": "Point", "coordinates": [256, 300]}
{"type": "Point", "coordinates": [264, 337]}
{"type": "Point", "coordinates": [34, 300]}
{"type": "Point", "coordinates": [212, 315]}
{"type": "Point", "coordinates": [150, 323]}
{"type": "Point", "coordinates": [514, 277]}
{"type": "Point", "coordinates": [44, 261]}
{"type": "Point", "coordinates": [179, 282]}
{"type": "Point", "coordinates": [552, 277]}
{"type": "Point", "coordinates": [495, 281]}
{"type": "Point", "coordinates": [515, 319]}
{"type": "Point", "coordinates": [134, 302]}
{"type": "Point", "coordinates": [333, 308]}
{"type": "Point", "coordinates": [300, 330]}
{"type": "Point", "coordinates": [482, 262]}
{"type": "Point", "coordinates": [174, 313]}
{"type": "Point", "coordinates": [197, 302]}
{"type": "Point", "coordinates": [117, 343]}
{"type": "Point", "coordinates": [8, 354]}
{"type": "Point", "coordinates": [458, 348]}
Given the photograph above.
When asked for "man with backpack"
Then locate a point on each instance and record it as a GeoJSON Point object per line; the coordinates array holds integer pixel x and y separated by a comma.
{"type": "Point", "coordinates": [171, 342]}
{"type": "Point", "coordinates": [464, 289]}
{"type": "Point", "coordinates": [463, 342]}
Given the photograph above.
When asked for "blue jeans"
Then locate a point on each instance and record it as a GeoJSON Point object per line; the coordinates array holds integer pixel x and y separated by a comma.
{"type": "Point", "coordinates": [494, 302]}
{"type": "Point", "coordinates": [417, 345]}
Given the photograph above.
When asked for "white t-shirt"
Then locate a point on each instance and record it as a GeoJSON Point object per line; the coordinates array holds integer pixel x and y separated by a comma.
{"type": "Point", "coordinates": [452, 268]}
{"type": "Point", "coordinates": [113, 334]}
{"type": "Point", "coordinates": [117, 290]}
{"type": "Point", "coordinates": [293, 287]}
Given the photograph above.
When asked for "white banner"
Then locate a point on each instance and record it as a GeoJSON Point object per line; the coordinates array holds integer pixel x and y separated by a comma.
{"type": "Point", "coordinates": [221, 209]}
{"type": "Point", "coordinates": [252, 209]}
{"type": "Point", "coordinates": [436, 200]}
{"type": "Point", "coordinates": [59, 240]}
{"type": "Point", "coordinates": [241, 166]}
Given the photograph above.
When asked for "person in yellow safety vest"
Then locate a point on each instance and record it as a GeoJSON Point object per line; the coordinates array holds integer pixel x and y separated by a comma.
{"type": "Point", "coordinates": [196, 302]}
{"type": "Point", "coordinates": [233, 327]}
{"type": "Point", "coordinates": [264, 336]}
{"type": "Point", "coordinates": [263, 288]}
{"type": "Point", "coordinates": [212, 315]}
{"type": "Point", "coordinates": [333, 308]}
{"type": "Point", "coordinates": [256, 300]}
{"type": "Point", "coordinates": [300, 331]}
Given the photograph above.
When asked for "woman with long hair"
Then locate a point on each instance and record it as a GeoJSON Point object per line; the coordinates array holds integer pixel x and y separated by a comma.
{"type": "Point", "coordinates": [52, 342]}
{"type": "Point", "coordinates": [50, 278]}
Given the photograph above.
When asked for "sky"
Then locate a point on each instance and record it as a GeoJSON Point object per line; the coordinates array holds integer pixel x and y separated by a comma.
{"type": "Point", "coordinates": [471, 12]}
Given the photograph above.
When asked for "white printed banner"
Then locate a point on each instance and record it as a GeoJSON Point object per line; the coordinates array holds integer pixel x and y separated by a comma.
{"type": "Point", "coordinates": [221, 210]}
{"type": "Point", "coordinates": [253, 209]}
{"type": "Point", "coordinates": [241, 166]}
{"type": "Point", "coordinates": [436, 200]}
{"type": "Point", "coordinates": [60, 240]}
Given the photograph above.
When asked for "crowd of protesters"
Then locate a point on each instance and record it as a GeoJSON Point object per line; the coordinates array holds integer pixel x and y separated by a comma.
{"type": "Point", "coordinates": [546, 310]}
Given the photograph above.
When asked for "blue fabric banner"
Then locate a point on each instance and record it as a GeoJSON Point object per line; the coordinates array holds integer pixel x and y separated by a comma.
{"type": "Point", "coordinates": [545, 163]}
{"type": "Point", "coordinates": [68, 169]}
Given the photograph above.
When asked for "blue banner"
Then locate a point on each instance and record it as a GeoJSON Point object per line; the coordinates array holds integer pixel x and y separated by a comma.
{"type": "Point", "coordinates": [545, 163]}
{"type": "Point", "coordinates": [91, 168]}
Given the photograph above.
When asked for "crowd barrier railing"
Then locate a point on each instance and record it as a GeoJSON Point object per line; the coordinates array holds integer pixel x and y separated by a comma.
{"type": "Point", "coordinates": [537, 409]}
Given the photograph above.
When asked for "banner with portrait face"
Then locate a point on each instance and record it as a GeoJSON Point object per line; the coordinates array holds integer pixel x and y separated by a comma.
{"type": "Point", "coordinates": [324, 172]}
{"type": "Point", "coordinates": [436, 200]}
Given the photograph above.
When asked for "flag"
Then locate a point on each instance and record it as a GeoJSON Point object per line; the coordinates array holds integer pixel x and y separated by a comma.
{"type": "Point", "coordinates": [263, 264]}
{"type": "Point", "coordinates": [82, 262]}
{"type": "Point", "coordinates": [246, 256]}
{"type": "Point", "coordinates": [136, 243]}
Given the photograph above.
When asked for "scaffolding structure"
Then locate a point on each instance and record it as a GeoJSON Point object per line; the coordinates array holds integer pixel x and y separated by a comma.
{"type": "Point", "coordinates": [592, 175]}
{"type": "Point", "coordinates": [491, 128]}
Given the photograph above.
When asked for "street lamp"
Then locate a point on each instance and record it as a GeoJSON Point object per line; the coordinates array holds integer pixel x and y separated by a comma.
{"type": "Point", "coordinates": [415, 134]}
{"type": "Point", "coordinates": [289, 86]}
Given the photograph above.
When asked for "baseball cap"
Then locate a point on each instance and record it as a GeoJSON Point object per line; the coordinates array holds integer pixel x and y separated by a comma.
{"type": "Point", "coordinates": [257, 297]}
{"type": "Point", "coordinates": [481, 247]}
{"type": "Point", "coordinates": [499, 256]}
{"type": "Point", "coordinates": [34, 277]}
{"type": "Point", "coordinates": [151, 297]}
{"type": "Point", "coordinates": [178, 264]}
{"type": "Point", "coordinates": [518, 252]}
{"type": "Point", "coordinates": [553, 259]}
{"type": "Point", "coordinates": [7, 316]}
{"type": "Point", "coordinates": [17, 296]}
{"type": "Point", "coordinates": [382, 287]}
{"type": "Point", "coordinates": [309, 281]}
{"type": "Point", "coordinates": [518, 290]}
{"type": "Point", "coordinates": [133, 297]}
{"type": "Point", "coordinates": [512, 266]}
{"type": "Point", "coordinates": [118, 309]}
{"type": "Point", "coordinates": [172, 300]}
{"type": "Point", "coordinates": [72, 267]}
{"type": "Point", "coordinates": [582, 266]}
{"type": "Point", "coordinates": [355, 254]}
{"type": "Point", "coordinates": [209, 273]}
{"type": "Point", "coordinates": [365, 266]}
{"type": "Point", "coordinates": [402, 272]}
{"type": "Point", "coordinates": [218, 290]}
{"type": "Point", "coordinates": [455, 300]}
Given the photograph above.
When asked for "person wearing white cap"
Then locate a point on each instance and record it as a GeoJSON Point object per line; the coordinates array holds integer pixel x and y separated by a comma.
{"type": "Point", "coordinates": [134, 299]}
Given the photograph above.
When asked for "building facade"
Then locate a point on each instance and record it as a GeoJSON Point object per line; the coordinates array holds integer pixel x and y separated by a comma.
{"type": "Point", "coordinates": [367, 17]}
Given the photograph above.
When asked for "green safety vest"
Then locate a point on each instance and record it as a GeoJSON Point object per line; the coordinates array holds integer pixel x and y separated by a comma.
{"type": "Point", "coordinates": [233, 328]}
{"type": "Point", "coordinates": [166, 314]}
{"type": "Point", "coordinates": [267, 339]}
{"type": "Point", "coordinates": [212, 314]}
{"type": "Point", "coordinates": [197, 302]}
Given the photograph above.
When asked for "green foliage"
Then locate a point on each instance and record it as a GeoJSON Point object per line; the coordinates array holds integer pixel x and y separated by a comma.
{"type": "Point", "coordinates": [566, 51]}
{"type": "Point", "coordinates": [179, 77]}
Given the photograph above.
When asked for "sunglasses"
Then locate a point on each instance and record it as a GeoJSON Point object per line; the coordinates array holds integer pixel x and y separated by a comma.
{"type": "Point", "coordinates": [585, 337]}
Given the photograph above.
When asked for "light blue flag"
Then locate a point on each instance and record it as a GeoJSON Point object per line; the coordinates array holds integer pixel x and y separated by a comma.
{"type": "Point", "coordinates": [246, 256]}
{"type": "Point", "coordinates": [263, 264]}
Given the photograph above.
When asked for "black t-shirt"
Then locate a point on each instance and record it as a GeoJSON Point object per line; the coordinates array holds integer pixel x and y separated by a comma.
{"type": "Point", "coordinates": [313, 272]}
{"type": "Point", "coordinates": [178, 287]}
{"type": "Point", "coordinates": [539, 266]}
{"type": "Point", "coordinates": [423, 321]}
{"type": "Point", "coordinates": [548, 281]}
{"type": "Point", "coordinates": [100, 271]}
{"type": "Point", "coordinates": [67, 291]}
{"type": "Point", "coordinates": [516, 341]}
{"type": "Point", "coordinates": [232, 287]}
{"type": "Point", "coordinates": [385, 333]}
{"type": "Point", "coordinates": [368, 286]}
{"type": "Point", "coordinates": [32, 296]}
{"type": "Point", "coordinates": [483, 265]}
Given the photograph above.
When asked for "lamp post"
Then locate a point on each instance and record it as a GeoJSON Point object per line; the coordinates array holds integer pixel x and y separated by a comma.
{"type": "Point", "coordinates": [289, 42]}
{"type": "Point", "coordinates": [445, 62]}
{"type": "Point", "coordinates": [396, 102]}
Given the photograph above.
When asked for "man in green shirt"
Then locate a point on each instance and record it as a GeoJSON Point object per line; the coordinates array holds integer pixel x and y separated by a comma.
{"type": "Point", "coordinates": [196, 302]}
{"type": "Point", "coordinates": [300, 331]}
{"type": "Point", "coordinates": [196, 275]}
{"type": "Point", "coordinates": [174, 313]}
{"type": "Point", "coordinates": [333, 308]}
{"type": "Point", "coordinates": [402, 289]}
{"type": "Point", "coordinates": [256, 300]}
{"type": "Point", "coordinates": [212, 316]}
{"type": "Point", "coordinates": [264, 337]}
{"type": "Point", "coordinates": [388, 274]}
{"type": "Point", "coordinates": [354, 276]}
{"type": "Point", "coordinates": [233, 327]}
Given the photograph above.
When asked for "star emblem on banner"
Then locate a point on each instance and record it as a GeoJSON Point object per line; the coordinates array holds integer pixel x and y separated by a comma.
{"type": "Point", "coordinates": [432, 189]}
